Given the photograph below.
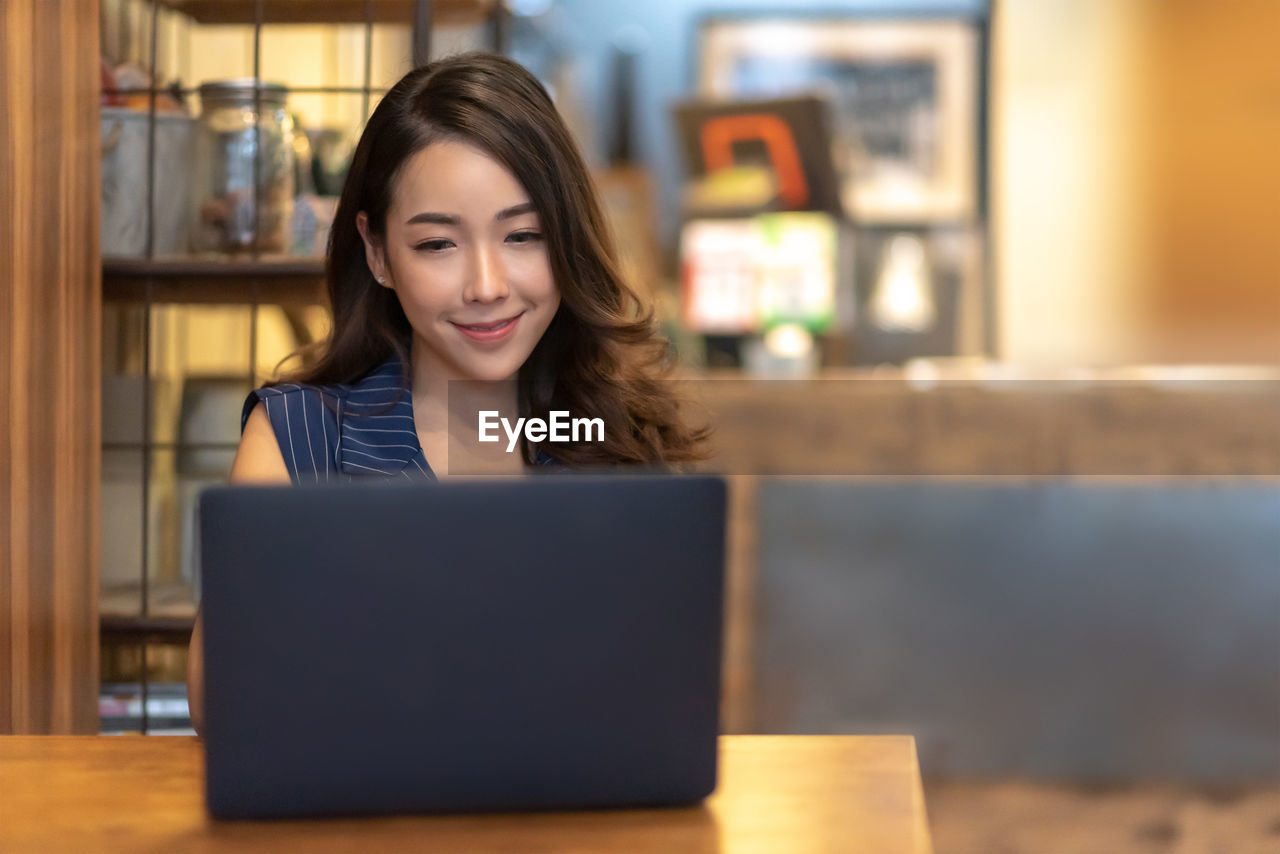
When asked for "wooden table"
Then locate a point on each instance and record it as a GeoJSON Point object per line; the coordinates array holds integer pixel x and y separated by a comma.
{"type": "Point", "coordinates": [792, 794]}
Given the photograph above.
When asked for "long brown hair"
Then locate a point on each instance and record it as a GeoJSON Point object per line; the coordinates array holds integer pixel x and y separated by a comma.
{"type": "Point", "coordinates": [601, 356]}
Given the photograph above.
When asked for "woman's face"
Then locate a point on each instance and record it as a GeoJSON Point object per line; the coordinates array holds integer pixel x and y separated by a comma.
{"type": "Point", "coordinates": [465, 253]}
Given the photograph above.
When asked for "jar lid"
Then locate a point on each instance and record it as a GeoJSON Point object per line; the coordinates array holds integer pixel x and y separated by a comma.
{"type": "Point", "coordinates": [240, 92]}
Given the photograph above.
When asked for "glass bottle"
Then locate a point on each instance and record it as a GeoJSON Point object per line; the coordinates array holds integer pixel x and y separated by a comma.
{"type": "Point", "coordinates": [237, 138]}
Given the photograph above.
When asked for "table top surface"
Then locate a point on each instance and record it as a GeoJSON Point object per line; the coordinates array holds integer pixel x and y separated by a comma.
{"type": "Point", "coordinates": [777, 793]}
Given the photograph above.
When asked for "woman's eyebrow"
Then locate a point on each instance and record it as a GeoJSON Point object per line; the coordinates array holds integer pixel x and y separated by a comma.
{"type": "Point", "coordinates": [515, 211]}
{"type": "Point", "coordinates": [434, 219]}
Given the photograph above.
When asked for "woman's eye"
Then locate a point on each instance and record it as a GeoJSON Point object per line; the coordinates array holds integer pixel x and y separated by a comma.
{"type": "Point", "coordinates": [524, 237]}
{"type": "Point", "coordinates": [438, 244]}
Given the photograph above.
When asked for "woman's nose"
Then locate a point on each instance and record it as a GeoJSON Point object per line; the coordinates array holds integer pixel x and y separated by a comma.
{"type": "Point", "coordinates": [487, 282]}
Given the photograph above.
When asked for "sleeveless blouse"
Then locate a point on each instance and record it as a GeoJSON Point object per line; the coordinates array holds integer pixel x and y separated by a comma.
{"type": "Point", "coordinates": [336, 433]}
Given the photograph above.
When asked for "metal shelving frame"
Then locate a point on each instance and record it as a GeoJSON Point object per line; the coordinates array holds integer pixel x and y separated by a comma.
{"type": "Point", "coordinates": [253, 278]}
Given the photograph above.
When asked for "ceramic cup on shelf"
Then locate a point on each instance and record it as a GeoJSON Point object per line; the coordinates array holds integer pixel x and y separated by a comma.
{"type": "Point", "coordinates": [124, 142]}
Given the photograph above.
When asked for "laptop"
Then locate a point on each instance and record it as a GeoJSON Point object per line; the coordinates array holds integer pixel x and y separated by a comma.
{"type": "Point", "coordinates": [543, 643]}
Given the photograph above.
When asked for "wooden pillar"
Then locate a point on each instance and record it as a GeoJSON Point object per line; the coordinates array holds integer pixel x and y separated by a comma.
{"type": "Point", "coordinates": [50, 328]}
{"type": "Point", "coordinates": [741, 547]}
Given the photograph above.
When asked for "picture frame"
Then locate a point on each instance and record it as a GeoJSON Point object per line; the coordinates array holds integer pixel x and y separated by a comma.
{"type": "Point", "coordinates": [905, 96]}
{"type": "Point", "coordinates": [929, 306]}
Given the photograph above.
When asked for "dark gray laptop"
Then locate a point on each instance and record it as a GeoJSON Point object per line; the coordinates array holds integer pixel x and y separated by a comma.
{"type": "Point", "coordinates": [544, 643]}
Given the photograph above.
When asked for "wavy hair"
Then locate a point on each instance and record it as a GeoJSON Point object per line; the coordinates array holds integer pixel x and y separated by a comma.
{"type": "Point", "coordinates": [601, 356]}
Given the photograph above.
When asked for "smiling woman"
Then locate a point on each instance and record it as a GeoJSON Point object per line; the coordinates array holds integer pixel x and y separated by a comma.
{"type": "Point", "coordinates": [468, 245]}
{"type": "Point", "coordinates": [468, 252]}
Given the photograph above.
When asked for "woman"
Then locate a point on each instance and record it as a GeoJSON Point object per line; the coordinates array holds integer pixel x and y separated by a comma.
{"type": "Point", "coordinates": [468, 251]}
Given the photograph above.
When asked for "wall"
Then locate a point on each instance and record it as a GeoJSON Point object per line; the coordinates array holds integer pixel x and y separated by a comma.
{"type": "Point", "coordinates": [1136, 192]}
{"type": "Point", "coordinates": [1213, 133]}
{"type": "Point", "coordinates": [1064, 195]}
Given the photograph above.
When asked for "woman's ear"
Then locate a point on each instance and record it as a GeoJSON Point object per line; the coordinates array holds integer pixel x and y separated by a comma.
{"type": "Point", "coordinates": [374, 255]}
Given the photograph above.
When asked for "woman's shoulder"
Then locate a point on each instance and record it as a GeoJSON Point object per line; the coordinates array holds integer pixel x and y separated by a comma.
{"type": "Point", "coordinates": [383, 381]}
{"type": "Point", "coordinates": [285, 398]}
{"type": "Point", "coordinates": [340, 429]}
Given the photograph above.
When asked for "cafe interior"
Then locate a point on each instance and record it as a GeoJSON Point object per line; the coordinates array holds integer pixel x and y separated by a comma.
{"type": "Point", "coordinates": [980, 297]}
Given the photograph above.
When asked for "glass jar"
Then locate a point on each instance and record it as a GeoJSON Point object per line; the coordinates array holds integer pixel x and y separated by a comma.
{"type": "Point", "coordinates": [230, 215]}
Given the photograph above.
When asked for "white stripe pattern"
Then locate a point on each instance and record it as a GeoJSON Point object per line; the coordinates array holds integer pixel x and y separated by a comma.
{"type": "Point", "coordinates": [375, 434]}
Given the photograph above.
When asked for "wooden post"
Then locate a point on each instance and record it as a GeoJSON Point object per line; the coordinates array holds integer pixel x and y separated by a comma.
{"type": "Point", "coordinates": [736, 712]}
{"type": "Point", "coordinates": [50, 328]}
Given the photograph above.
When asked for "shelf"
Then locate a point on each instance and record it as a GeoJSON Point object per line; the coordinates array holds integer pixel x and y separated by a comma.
{"type": "Point", "coordinates": [172, 613]}
{"type": "Point", "coordinates": [170, 600]}
{"type": "Point", "coordinates": [282, 280]}
{"type": "Point", "coordinates": [171, 630]}
{"type": "Point", "coordinates": [186, 91]}
{"type": "Point", "coordinates": [455, 12]}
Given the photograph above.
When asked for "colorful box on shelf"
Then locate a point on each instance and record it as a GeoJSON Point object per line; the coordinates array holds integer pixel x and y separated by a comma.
{"type": "Point", "coordinates": [748, 275]}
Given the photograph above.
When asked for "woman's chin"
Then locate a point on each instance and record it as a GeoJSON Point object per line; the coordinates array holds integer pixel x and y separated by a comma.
{"type": "Point", "coordinates": [486, 373]}
{"type": "Point", "coordinates": [466, 364]}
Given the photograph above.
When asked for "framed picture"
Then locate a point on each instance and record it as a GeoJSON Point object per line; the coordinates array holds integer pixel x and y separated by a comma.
{"type": "Point", "coordinates": [905, 99]}
{"type": "Point", "coordinates": [915, 294]}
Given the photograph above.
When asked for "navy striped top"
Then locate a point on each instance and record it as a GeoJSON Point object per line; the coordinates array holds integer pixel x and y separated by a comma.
{"type": "Point", "coordinates": [340, 432]}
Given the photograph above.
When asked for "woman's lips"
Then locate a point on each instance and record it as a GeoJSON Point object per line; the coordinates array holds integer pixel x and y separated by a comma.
{"type": "Point", "coordinates": [486, 332]}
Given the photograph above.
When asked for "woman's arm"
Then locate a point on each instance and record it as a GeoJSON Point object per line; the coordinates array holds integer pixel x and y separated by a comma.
{"type": "Point", "coordinates": [258, 460]}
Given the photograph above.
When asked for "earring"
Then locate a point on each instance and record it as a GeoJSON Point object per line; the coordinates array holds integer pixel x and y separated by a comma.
{"type": "Point", "coordinates": [382, 280]}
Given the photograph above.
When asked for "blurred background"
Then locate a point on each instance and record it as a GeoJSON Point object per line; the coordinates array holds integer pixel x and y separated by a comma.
{"type": "Point", "coordinates": [983, 297]}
